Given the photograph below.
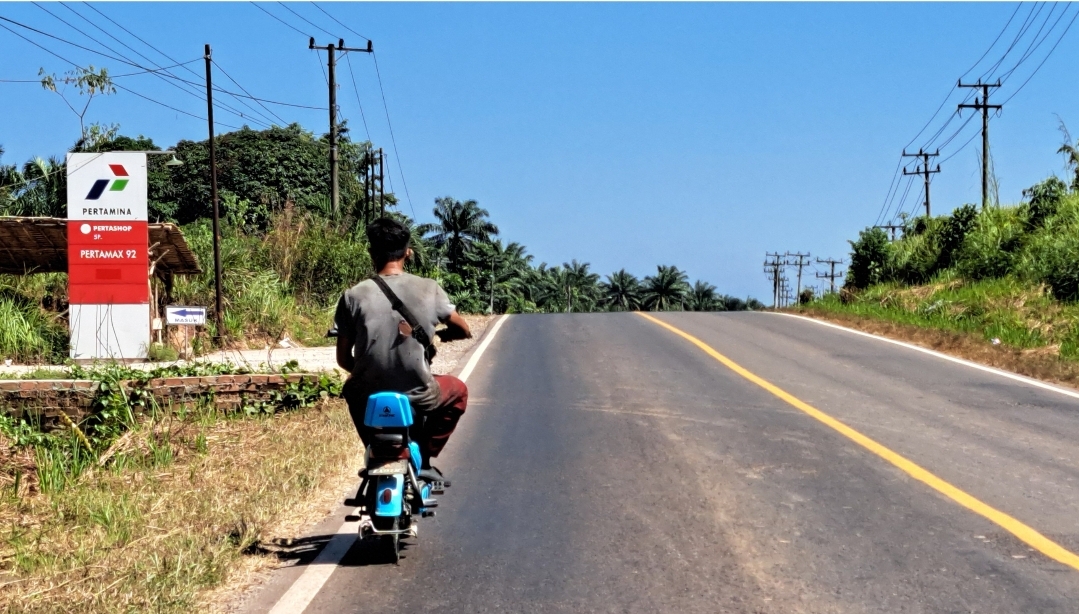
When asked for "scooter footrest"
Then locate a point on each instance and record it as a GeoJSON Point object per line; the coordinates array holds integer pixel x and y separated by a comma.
{"type": "Point", "coordinates": [430, 503]}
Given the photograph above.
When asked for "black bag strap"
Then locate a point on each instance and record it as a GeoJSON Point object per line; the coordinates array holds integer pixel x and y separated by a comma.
{"type": "Point", "coordinates": [419, 333]}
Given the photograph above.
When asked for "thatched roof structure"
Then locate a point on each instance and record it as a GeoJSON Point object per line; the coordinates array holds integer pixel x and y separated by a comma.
{"type": "Point", "coordinates": [39, 245]}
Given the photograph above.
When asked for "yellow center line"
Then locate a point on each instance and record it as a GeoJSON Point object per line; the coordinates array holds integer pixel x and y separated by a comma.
{"type": "Point", "coordinates": [1027, 534]}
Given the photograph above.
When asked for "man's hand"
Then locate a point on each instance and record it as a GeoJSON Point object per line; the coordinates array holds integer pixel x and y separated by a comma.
{"type": "Point", "coordinates": [456, 328]}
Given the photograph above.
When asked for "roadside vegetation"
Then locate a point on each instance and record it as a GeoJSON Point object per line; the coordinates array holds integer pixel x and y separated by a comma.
{"type": "Point", "coordinates": [1005, 276]}
{"type": "Point", "coordinates": [147, 508]}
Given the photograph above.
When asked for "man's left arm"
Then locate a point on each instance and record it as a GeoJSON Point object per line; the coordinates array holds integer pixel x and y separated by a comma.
{"type": "Point", "coordinates": [446, 312]}
{"type": "Point", "coordinates": [345, 359]}
{"type": "Point", "coordinates": [346, 335]}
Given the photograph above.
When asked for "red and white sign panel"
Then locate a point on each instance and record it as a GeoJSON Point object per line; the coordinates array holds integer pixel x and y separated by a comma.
{"type": "Point", "coordinates": [108, 262]}
{"type": "Point", "coordinates": [108, 255]}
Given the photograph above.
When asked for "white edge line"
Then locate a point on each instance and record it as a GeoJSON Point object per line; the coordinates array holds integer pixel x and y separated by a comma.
{"type": "Point", "coordinates": [475, 358]}
{"type": "Point", "coordinates": [1008, 374]}
{"type": "Point", "coordinates": [303, 590]}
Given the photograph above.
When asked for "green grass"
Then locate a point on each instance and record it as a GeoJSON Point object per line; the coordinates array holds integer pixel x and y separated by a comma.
{"type": "Point", "coordinates": [1020, 314]}
{"type": "Point", "coordinates": [169, 518]}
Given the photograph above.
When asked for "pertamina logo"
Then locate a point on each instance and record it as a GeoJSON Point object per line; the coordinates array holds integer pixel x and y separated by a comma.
{"type": "Point", "coordinates": [387, 412]}
{"type": "Point", "coordinates": [118, 185]}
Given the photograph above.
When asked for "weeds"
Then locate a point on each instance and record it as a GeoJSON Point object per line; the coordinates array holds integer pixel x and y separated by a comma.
{"type": "Point", "coordinates": [170, 517]}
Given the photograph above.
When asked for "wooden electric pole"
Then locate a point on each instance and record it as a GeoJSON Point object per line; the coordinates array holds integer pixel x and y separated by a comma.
{"type": "Point", "coordinates": [331, 62]}
{"type": "Point", "coordinates": [891, 228]}
{"type": "Point", "coordinates": [219, 318]}
{"type": "Point", "coordinates": [803, 260]}
{"type": "Point", "coordinates": [773, 266]}
{"type": "Point", "coordinates": [831, 276]}
{"type": "Point", "coordinates": [924, 170]}
{"type": "Point", "coordinates": [983, 106]}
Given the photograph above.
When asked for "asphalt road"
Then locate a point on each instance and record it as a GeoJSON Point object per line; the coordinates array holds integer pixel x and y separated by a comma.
{"type": "Point", "coordinates": [607, 465]}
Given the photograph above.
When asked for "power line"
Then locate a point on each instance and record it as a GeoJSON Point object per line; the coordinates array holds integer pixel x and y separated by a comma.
{"type": "Point", "coordinates": [1027, 22]}
{"type": "Point", "coordinates": [393, 140]}
{"type": "Point", "coordinates": [224, 72]}
{"type": "Point", "coordinates": [1036, 42]}
{"type": "Point", "coordinates": [121, 60]}
{"type": "Point", "coordinates": [339, 21]}
{"type": "Point", "coordinates": [80, 31]}
{"type": "Point", "coordinates": [953, 88]}
{"type": "Point", "coordinates": [170, 58]}
{"type": "Point", "coordinates": [889, 192]}
{"type": "Point", "coordinates": [964, 146]}
{"type": "Point", "coordinates": [901, 208]}
{"type": "Point", "coordinates": [281, 20]}
{"type": "Point", "coordinates": [1043, 59]}
{"type": "Point", "coordinates": [95, 51]}
{"type": "Point", "coordinates": [314, 25]}
{"type": "Point", "coordinates": [356, 88]}
{"type": "Point", "coordinates": [120, 87]}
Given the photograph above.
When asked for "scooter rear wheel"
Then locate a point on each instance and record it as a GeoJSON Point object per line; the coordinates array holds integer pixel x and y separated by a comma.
{"type": "Point", "coordinates": [394, 541]}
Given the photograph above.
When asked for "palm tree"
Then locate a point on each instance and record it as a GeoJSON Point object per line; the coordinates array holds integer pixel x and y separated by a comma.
{"type": "Point", "coordinates": [40, 189]}
{"type": "Point", "coordinates": [460, 224]}
{"type": "Point", "coordinates": [666, 290]}
{"type": "Point", "coordinates": [621, 292]}
{"type": "Point", "coordinates": [580, 285]}
{"type": "Point", "coordinates": [9, 180]}
{"type": "Point", "coordinates": [1071, 154]}
{"type": "Point", "coordinates": [502, 273]}
{"type": "Point", "coordinates": [703, 298]}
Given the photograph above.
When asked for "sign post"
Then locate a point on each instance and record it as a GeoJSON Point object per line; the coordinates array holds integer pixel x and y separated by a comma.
{"type": "Point", "coordinates": [108, 256]}
{"type": "Point", "coordinates": [188, 317]}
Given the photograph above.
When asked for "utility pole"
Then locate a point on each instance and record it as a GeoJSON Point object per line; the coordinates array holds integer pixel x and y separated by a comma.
{"type": "Point", "coordinates": [331, 62]}
{"type": "Point", "coordinates": [373, 182]}
{"type": "Point", "coordinates": [785, 292]}
{"type": "Point", "coordinates": [924, 170]}
{"type": "Point", "coordinates": [381, 184]}
{"type": "Point", "coordinates": [491, 308]}
{"type": "Point", "coordinates": [832, 276]}
{"type": "Point", "coordinates": [891, 228]}
{"type": "Point", "coordinates": [773, 266]}
{"type": "Point", "coordinates": [803, 260]}
{"type": "Point", "coordinates": [219, 318]}
{"type": "Point", "coordinates": [983, 106]}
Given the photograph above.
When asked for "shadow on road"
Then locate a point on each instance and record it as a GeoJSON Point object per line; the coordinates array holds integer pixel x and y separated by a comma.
{"type": "Point", "coordinates": [304, 550]}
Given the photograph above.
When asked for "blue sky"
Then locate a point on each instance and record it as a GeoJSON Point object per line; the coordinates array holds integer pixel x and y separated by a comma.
{"type": "Point", "coordinates": [624, 135]}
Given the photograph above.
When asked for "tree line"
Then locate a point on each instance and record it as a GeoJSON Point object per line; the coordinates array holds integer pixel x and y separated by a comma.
{"type": "Point", "coordinates": [276, 179]}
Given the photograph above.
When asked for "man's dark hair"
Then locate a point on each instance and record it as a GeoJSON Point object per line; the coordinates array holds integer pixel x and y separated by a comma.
{"type": "Point", "coordinates": [388, 240]}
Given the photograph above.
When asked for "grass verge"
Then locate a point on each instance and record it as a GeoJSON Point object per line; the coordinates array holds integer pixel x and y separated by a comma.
{"type": "Point", "coordinates": [999, 322]}
{"type": "Point", "coordinates": [169, 514]}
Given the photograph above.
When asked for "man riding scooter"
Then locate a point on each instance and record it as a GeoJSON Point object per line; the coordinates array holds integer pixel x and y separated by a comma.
{"type": "Point", "coordinates": [384, 329]}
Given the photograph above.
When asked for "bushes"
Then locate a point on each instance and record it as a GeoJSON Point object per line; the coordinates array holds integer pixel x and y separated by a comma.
{"type": "Point", "coordinates": [869, 258]}
{"type": "Point", "coordinates": [30, 334]}
{"type": "Point", "coordinates": [283, 281]}
{"type": "Point", "coordinates": [1035, 243]}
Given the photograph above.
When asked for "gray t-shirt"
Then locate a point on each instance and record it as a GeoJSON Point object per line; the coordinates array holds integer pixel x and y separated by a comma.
{"type": "Point", "coordinates": [386, 360]}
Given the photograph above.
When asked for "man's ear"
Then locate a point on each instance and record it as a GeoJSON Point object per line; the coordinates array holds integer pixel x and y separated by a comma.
{"type": "Point", "coordinates": [408, 253]}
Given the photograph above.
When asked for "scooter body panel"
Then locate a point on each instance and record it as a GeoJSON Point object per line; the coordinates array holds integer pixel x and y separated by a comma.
{"type": "Point", "coordinates": [389, 503]}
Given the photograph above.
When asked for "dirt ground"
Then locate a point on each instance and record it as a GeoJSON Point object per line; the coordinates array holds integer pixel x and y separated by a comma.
{"type": "Point", "coordinates": [1042, 363]}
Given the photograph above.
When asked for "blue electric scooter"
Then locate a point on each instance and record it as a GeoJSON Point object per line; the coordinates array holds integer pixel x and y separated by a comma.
{"type": "Point", "coordinates": [394, 490]}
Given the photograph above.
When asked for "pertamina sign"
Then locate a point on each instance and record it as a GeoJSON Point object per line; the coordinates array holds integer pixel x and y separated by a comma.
{"type": "Point", "coordinates": [108, 255]}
